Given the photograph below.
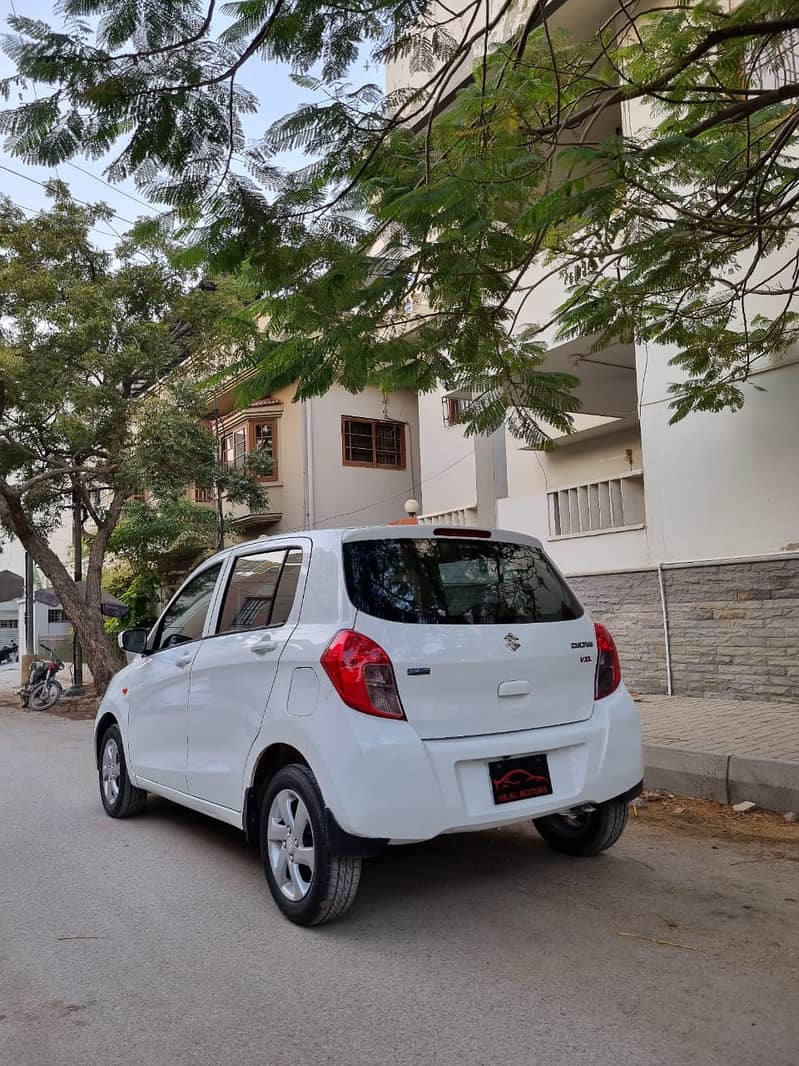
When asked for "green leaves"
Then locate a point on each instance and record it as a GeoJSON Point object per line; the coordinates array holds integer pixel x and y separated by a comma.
{"type": "Point", "coordinates": [650, 176]}
{"type": "Point", "coordinates": [83, 336]}
{"type": "Point", "coordinates": [160, 541]}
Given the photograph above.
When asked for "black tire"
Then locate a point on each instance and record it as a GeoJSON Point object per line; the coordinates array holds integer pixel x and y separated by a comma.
{"type": "Point", "coordinates": [332, 884]}
{"type": "Point", "coordinates": [127, 800]}
{"type": "Point", "coordinates": [587, 833]}
{"type": "Point", "coordinates": [40, 702]}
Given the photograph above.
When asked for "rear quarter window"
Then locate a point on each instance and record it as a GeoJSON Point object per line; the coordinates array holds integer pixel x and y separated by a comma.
{"type": "Point", "coordinates": [456, 581]}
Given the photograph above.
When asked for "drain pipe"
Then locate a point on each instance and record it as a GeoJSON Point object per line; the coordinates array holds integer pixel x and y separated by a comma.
{"type": "Point", "coordinates": [664, 609]}
{"type": "Point", "coordinates": [311, 480]}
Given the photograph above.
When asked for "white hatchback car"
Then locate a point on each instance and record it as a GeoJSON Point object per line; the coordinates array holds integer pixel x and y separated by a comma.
{"type": "Point", "coordinates": [333, 692]}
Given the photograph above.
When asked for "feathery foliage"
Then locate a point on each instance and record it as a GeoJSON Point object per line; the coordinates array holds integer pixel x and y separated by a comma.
{"type": "Point", "coordinates": [649, 164]}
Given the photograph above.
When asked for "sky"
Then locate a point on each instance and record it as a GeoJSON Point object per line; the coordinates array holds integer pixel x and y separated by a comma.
{"type": "Point", "coordinates": [270, 82]}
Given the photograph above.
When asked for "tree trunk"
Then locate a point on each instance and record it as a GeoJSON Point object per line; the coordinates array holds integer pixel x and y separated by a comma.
{"type": "Point", "coordinates": [86, 618]}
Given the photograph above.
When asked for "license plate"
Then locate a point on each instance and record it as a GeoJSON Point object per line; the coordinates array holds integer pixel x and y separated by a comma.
{"type": "Point", "coordinates": [519, 778]}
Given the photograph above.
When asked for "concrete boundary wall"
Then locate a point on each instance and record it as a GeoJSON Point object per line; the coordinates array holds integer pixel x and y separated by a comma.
{"type": "Point", "coordinates": [733, 626]}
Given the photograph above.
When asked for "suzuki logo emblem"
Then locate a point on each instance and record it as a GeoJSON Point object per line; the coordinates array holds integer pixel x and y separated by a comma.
{"type": "Point", "coordinates": [512, 641]}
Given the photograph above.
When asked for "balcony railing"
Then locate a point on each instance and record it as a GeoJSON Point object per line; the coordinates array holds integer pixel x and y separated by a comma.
{"type": "Point", "coordinates": [597, 506]}
{"type": "Point", "coordinates": [458, 516]}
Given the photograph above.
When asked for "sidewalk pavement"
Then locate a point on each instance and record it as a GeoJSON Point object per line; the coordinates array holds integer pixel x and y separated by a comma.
{"type": "Point", "coordinates": [725, 750]}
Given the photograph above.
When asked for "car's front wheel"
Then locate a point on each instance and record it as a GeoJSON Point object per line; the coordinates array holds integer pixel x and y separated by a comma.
{"type": "Point", "coordinates": [120, 796]}
{"type": "Point", "coordinates": [585, 832]}
{"type": "Point", "coordinates": [309, 884]}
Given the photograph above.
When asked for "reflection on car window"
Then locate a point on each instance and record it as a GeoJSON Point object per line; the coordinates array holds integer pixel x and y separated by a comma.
{"type": "Point", "coordinates": [287, 588]}
{"type": "Point", "coordinates": [185, 616]}
{"type": "Point", "coordinates": [456, 582]}
{"type": "Point", "coordinates": [261, 591]}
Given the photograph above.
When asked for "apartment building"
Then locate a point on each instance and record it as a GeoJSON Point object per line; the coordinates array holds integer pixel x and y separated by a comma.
{"type": "Point", "coordinates": [684, 539]}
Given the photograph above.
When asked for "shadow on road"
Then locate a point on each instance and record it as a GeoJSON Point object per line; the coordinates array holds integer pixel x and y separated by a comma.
{"type": "Point", "coordinates": [453, 871]}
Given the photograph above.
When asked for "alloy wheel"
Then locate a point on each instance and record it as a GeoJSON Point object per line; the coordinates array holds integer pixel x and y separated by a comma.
{"type": "Point", "coordinates": [111, 771]}
{"type": "Point", "coordinates": [292, 852]}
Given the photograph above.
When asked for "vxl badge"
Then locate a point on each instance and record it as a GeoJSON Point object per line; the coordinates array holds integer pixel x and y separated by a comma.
{"type": "Point", "coordinates": [512, 641]}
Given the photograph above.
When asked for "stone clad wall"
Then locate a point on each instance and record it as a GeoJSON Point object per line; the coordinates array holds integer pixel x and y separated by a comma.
{"type": "Point", "coordinates": [629, 605]}
{"type": "Point", "coordinates": [734, 627]}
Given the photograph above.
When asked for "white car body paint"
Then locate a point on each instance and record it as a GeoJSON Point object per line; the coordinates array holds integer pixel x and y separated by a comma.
{"type": "Point", "coordinates": [196, 718]}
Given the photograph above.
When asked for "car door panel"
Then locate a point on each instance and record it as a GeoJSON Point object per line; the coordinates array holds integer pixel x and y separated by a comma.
{"type": "Point", "coordinates": [234, 672]}
{"type": "Point", "coordinates": [160, 680]}
{"type": "Point", "coordinates": [159, 700]}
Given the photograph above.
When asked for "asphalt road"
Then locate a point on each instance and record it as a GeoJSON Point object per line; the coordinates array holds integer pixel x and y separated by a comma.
{"type": "Point", "coordinates": [154, 941]}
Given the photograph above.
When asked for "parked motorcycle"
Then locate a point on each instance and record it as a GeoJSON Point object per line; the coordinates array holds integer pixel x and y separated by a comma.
{"type": "Point", "coordinates": [42, 691]}
{"type": "Point", "coordinates": [9, 653]}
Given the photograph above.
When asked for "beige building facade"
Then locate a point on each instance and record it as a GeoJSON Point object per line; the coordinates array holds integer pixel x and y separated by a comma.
{"type": "Point", "coordinates": [337, 460]}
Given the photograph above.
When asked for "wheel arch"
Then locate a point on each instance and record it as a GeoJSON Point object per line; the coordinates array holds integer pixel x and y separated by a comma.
{"type": "Point", "coordinates": [273, 758]}
{"type": "Point", "coordinates": [103, 724]}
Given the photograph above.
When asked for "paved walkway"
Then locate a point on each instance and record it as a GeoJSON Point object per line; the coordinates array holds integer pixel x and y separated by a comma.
{"type": "Point", "coordinates": [726, 750]}
{"type": "Point", "coordinates": [723, 727]}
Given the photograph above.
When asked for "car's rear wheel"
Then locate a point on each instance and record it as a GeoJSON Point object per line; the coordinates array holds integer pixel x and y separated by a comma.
{"type": "Point", "coordinates": [585, 832]}
{"type": "Point", "coordinates": [120, 797]}
{"type": "Point", "coordinates": [308, 883]}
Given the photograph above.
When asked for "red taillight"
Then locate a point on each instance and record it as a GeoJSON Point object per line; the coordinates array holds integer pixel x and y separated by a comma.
{"type": "Point", "coordinates": [608, 668]}
{"type": "Point", "coordinates": [362, 674]}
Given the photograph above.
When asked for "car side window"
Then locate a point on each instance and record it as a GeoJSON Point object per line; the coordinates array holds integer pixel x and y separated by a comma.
{"type": "Point", "coordinates": [261, 591]}
{"type": "Point", "coordinates": [185, 616]}
{"type": "Point", "coordinates": [287, 588]}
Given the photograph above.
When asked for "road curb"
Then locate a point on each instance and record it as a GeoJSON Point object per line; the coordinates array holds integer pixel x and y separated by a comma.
{"type": "Point", "coordinates": [724, 778]}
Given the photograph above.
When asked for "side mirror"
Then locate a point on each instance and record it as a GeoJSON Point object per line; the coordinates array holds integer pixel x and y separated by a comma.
{"type": "Point", "coordinates": [133, 640]}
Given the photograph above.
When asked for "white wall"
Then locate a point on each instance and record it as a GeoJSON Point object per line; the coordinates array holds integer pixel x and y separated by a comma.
{"type": "Point", "coordinates": [57, 634]}
{"type": "Point", "coordinates": [716, 485]}
{"type": "Point", "coordinates": [447, 460]}
{"type": "Point", "coordinates": [725, 484]}
{"type": "Point", "coordinates": [531, 475]}
{"type": "Point", "coordinates": [572, 463]}
{"type": "Point", "coordinates": [354, 495]}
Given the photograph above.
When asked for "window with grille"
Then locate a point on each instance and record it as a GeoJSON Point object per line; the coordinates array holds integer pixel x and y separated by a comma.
{"type": "Point", "coordinates": [370, 442]}
{"type": "Point", "coordinates": [8, 623]}
{"type": "Point", "coordinates": [598, 506]}
{"type": "Point", "coordinates": [204, 495]}
{"type": "Point", "coordinates": [55, 615]}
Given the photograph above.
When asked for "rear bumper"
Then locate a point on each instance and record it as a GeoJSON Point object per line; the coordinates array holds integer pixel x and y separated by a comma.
{"type": "Point", "coordinates": [403, 788]}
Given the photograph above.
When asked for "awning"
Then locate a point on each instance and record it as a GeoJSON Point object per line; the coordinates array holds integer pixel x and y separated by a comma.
{"type": "Point", "coordinates": [112, 607]}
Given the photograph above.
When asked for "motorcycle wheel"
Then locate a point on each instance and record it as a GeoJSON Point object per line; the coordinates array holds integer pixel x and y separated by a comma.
{"type": "Point", "coordinates": [46, 695]}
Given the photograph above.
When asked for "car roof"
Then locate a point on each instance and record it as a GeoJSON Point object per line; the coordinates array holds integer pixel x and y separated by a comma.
{"type": "Point", "coordinates": [405, 531]}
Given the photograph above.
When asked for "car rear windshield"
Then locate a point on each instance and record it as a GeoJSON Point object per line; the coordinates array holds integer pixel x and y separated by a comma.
{"type": "Point", "coordinates": [456, 582]}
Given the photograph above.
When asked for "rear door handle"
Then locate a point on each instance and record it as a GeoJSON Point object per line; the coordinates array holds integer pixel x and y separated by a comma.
{"type": "Point", "coordinates": [514, 688]}
{"type": "Point", "coordinates": [263, 647]}
{"type": "Point", "coordinates": [184, 660]}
